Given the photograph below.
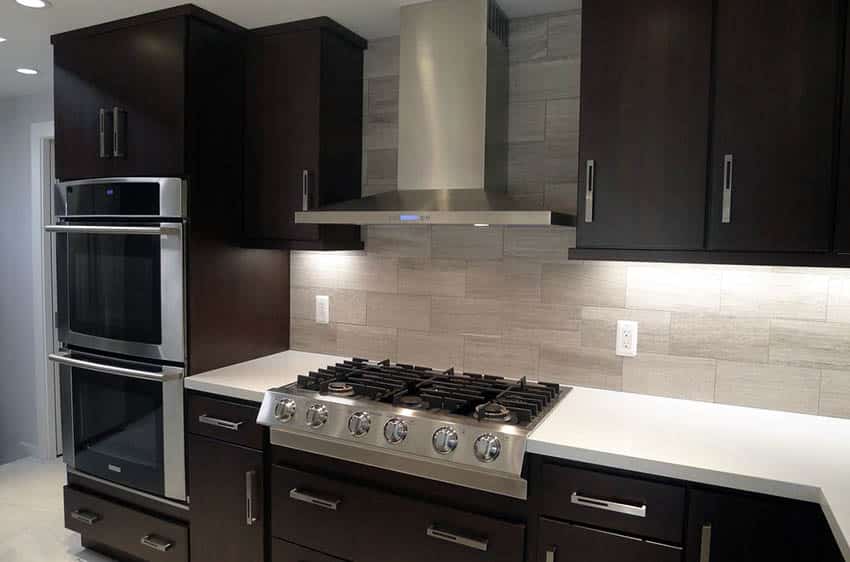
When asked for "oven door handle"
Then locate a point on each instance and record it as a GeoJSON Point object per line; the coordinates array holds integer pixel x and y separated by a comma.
{"type": "Point", "coordinates": [133, 230]}
{"type": "Point", "coordinates": [168, 373]}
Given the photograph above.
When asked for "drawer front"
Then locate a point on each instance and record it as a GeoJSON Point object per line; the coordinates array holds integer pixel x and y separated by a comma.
{"type": "Point", "coordinates": [563, 542]}
{"type": "Point", "coordinates": [355, 522]}
{"type": "Point", "coordinates": [631, 505]}
{"type": "Point", "coordinates": [224, 420]}
{"type": "Point", "coordinates": [124, 529]}
{"type": "Point", "coordinates": [283, 551]}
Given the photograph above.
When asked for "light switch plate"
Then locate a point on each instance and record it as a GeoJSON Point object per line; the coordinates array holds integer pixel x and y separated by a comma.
{"type": "Point", "coordinates": [323, 309]}
{"type": "Point", "coordinates": [627, 338]}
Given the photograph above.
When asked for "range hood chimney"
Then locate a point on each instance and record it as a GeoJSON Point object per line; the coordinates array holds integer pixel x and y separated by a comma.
{"type": "Point", "coordinates": [453, 126]}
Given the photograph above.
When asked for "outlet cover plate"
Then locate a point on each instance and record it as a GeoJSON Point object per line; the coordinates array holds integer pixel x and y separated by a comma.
{"type": "Point", "coordinates": [627, 338]}
{"type": "Point", "coordinates": [323, 309]}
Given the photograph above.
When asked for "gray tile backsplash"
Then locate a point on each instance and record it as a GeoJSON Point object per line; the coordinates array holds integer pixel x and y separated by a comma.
{"type": "Point", "coordinates": [508, 301]}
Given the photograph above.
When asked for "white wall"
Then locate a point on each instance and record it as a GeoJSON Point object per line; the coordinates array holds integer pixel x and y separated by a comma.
{"type": "Point", "coordinates": [18, 419]}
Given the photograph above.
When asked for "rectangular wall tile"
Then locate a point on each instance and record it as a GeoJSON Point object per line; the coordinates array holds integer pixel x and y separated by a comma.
{"type": "Point", "coordinates": [365, 342]}
{"type": "Point", "coordinates": [409, 312]}
{"type": "Point", "coordinates": [544, 243]}
{"type": "Point", "coordinates": [445, 278]}
{"type": "Point", "coordinates": [599, 328]}
{"type": "Point", "coordinates": [562, 118]}
{"type": "Point", "coordinates": [530, 316]}
{"type": "Point", "coordinates": [581, 367]}
{"type": "Point", "coordinates": [348, 307]}
{"type": "Point", "coordinates": [466, 316]}
{"type": "Point", "coordinates": [528, 38]}
{"type": "Point", "coordinates": [438, 351]}
{"type": "Point", "coordinates": [585, 284]}
{"type": "Point", "coordinates": [467, 242]}
{"type": "Point", "coordinates": [810, 344]}
{"type": "Point", "coordinates": [565, 35]}
{"type": "Point", "coordinates": [838, 307]}
{"type": "Point", "coordinates": [688, 378]}
{"type": "Point", "coordinates": [773, 387]}
{"type": "Point", "coordinates": [677, 288]}
{"type": "Point", "coordinates": [399, 241]}
{"type": "Point", "coordinates": [382, 100]}
{"type": "Point", "coordinates": [764, 293]}
{"type": "Point", "coordinates": [305, 335]}
{"type": "Point", "coordinates": [544, 80]}
{"type": "Point", "coordinates": [835, 394]}
{"type": "Point", "coordinates": [511, 279]}
{"type": "Point", "coordinates": [527, 122]}
{"type": "Point", "coordinates": [382, 167]}
{"type": "Point", "coordinates": [494, 356]}
{"type": "Point", "coordinates": [716, 336]}
{"type": "Point", "coordinates": [562, 196]}
{"type": "Point", "coordinates": [382, 58]}
{"type": "Point", "coordinates": [526, 167]}
{"type": "Point", "coordinates": [335, 270]}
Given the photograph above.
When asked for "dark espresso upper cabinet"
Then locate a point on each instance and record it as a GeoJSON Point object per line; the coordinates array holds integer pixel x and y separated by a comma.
{"type": "Point", "coordinates": [304, 107]}
{"type": "Point", "coordinates": [644, 123]}
{"type": "Point", "coordinates": [842, 215]}
{"type": "Point", "coordinates": [776, 69]}
{"type": "Point", "coordinates": [123, 93]}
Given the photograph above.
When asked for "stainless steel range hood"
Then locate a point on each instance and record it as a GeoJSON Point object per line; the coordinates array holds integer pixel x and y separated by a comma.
{"type": "Point", "coordinates": [453, 126]}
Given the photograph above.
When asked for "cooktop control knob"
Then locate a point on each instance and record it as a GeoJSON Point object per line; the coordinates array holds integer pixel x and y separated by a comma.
{"type": "Point", "coordinates": [445, 440]}
{"type": "Point", "coordinates": [285, 410]}
{"type": "Point", "coordinates": [487, 447]}
{"type": "Point", "coordinates": [359, 424]}
{"type": "Point", "coordinates": [317, 416]}
{"type": "Point", "coordinates": [395, 431]}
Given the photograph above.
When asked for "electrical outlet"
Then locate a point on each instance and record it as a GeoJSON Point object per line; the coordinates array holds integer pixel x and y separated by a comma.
{"type": "Point", "coordinates": [627, 338]}
{"type": "Point", "coordinates": [323, 309]}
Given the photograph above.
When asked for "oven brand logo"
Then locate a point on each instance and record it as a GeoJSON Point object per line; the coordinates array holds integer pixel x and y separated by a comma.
{"type": "Point", "coordinates": [114, 468]}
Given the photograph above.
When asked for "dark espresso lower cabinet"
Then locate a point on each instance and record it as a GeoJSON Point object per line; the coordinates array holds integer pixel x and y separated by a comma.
{"type": "Point", "coordinates": [565, 542]}
{"type": "Point", "coordinates": [283, 551]}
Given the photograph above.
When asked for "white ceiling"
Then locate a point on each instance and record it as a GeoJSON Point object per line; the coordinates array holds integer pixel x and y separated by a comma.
{"type": "Point", "coordinates": [28, 30]}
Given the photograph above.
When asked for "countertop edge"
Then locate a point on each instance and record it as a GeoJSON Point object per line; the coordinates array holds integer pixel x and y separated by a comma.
{"type": "Point", "coordinates": [223, 390]}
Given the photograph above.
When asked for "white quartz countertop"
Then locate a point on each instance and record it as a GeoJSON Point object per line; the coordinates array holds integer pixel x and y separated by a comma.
{"type": "Point", "coordinates": [249, 380]}
{"type": "Point", "coordinates": [782, 454]}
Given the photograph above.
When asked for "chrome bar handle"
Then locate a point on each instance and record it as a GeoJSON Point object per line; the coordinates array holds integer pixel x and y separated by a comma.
{"type": "Point", "coordinates": [86, 517]}
{"type": "Point", "coordinates": [476, 544]}
{"type": "Point", "coordinates": [101, 132]}
{"type": "Point", "coordinates": [589, 188]}
{"type": "Point", "coordinates": [123, 230]}
{"type": "Point", "coordinates": [728, 184]}
{"type": "Point", "coordinates": [250, 478]}
{"type": "Point", "coordinates": [119, 132]}
{"type": "Point", "coordinates": [216, 422]}
{"type": "Point", "coordinates": [550, 553]}
{"type": "Point", "coordinates": [156, 543]}
{"type": "Point", "coordinates": [305, 190]}
{"type": "Point", "coordinates": [595, 503]}
{"type": "Point", "coordinates": [325, 503]}
{"type": "Point", "coordinates": [168, 373]}
{"type": "Point", "coordinates": [705, 544]}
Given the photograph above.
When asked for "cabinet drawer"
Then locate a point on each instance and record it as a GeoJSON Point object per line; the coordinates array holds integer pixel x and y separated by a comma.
{"type": "Point", "coordinates": [631, 505]}
{"type": "Point", "coordinates": [283, 551]}
{"type": "Point", "coordinates": [124, 529]}
{"type": "Point", "coordinates": [224, 420]}
{"type": "Point", "coordinates": [564, 542]}
{"type": "Point", "coordinates": [358, 523]}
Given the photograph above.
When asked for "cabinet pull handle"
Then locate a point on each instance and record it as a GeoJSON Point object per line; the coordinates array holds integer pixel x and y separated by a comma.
{"type": "Point", "coordinates": [215, 422]}
{"type": "Point", "coordinates": [250, 487]}
{"type": "Point", "coordinates": [101, 132]}
{"type": "Point", "coordinates": [448, 536]}
{"type": "Point", "coordinates": [86, 517]}
{"type": "Point", "coordinates": [550, 553]}
{"type": "Point", "coordinates": [589, 188]}
{"type": "Point", "coordinates": [705, 544]}
{"type": "Point", "coordinates": [305, 190]}
{"type": "Point", "coordinates": [325, 503]}
{"type": "Point", "coordinates": [156, 543]}
{"type": "Point", "coordinates": [119, 132]}
{"type": "Point", "coordinates": [624, 508]}
{"type": "Point", "coordinates": [728, 184]}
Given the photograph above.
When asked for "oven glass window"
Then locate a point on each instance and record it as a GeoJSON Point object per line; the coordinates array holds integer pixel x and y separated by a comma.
{"type": "Point", "coordinates": [118, 428]}
{"type": "Point", "coordinates": [114, 287]}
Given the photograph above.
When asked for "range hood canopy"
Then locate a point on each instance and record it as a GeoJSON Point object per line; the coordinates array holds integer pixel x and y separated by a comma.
{"type": "Point", "coordinates": [453, 126]}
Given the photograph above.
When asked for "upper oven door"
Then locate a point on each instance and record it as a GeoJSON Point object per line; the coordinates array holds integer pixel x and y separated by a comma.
{"type": "Point", "coordinates": [120, 287]}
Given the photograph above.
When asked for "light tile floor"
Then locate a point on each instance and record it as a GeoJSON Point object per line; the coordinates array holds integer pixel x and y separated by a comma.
{"type": "Point", "coordinates": [32, 527]}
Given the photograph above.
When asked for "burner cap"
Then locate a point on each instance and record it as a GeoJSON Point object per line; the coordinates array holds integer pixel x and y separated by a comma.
{"type": "Point", "coordinates": [493, 411]}
{"type": "Point", "coordinates": [340, 389]}
{"type": "Point", "coordinates": [412, 402]}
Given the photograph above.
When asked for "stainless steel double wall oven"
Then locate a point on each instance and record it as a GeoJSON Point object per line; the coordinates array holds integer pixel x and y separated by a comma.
{"type": "Point", "coordinates": [121, 320]}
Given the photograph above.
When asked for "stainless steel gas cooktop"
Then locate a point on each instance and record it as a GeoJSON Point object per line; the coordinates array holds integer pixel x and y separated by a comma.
{"type": "Point", "coordinates": [462, 428]}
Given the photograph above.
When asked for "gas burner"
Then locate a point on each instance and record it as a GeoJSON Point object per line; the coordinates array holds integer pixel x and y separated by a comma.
{"type": "Point", "coordinates": [493, 411]}
{"type": "Point", "coordinates": [340, 389]}
{"type": "Point", "coordinates": [412, 402]}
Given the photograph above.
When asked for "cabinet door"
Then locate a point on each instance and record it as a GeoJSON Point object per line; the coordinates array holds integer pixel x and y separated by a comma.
{"type": "Point", "coordinates": [226, 493]}
{"type": "Point", "coordinates": [564, 542]}
{"type": "Point", "coordinates": [728, 527]}
{"type": "Point", "coordinates": [644, 123]}
{"type": "Point", "coordinates": [842, 215]}
{"type": "Point", "coordinates": [771, 164]}
{"type": "Point", "coordinates": [283, 551]}
{"type": "Point", "coordinates": [282, 132]}
{"type": "Point", "coordinates": [138, 69]}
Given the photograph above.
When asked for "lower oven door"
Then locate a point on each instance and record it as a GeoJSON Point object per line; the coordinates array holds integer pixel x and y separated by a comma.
{"type": "Point", "coordinates": [122, 421]}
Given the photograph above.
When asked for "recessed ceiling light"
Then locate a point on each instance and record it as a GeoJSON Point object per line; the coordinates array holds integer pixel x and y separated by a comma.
{"type": "Point", "coordinates": [2, 39]}
{"type": "Point", "coordinates": [34, 3]}
{"type": "Point", "coordinates": [27, 71]}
